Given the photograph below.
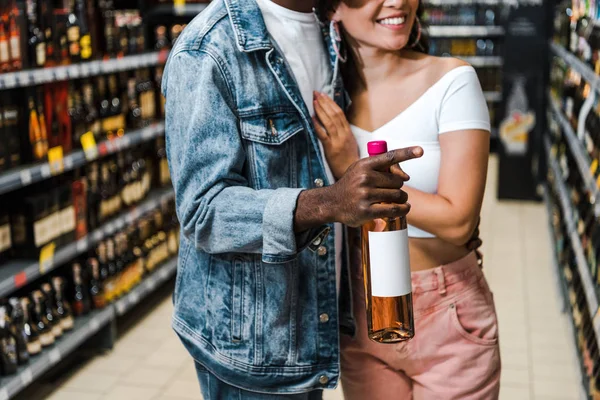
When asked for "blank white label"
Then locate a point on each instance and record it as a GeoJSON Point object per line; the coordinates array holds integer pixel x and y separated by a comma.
{"type": "Point", "coordinates": [390, 265]}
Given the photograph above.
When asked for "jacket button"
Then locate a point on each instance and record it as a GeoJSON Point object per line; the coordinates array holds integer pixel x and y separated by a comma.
{"type": "Point", "coordinates": [324, 318]}
{"type": "Point", "coordinates": [323, 380]}
{"type": "Point", "coordinates": [319, 182]}
{"type": "Point", "coordinates": [322, 251]}
{"type": "Point", "coordinates": [317, 241]}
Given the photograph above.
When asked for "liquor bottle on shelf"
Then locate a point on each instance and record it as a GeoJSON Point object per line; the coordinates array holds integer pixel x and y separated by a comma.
{"type": "Point", "coordinates": [48, 30]}
{"type": "Point", "coordinates": [90, 112]}
{"type": "Point", "coordinates": [51, 311]}
{"type": "Point", "coordinates": [19, 329]}
{"type": "Point", "coordinates": [120, 249]}
{"type": "Point", "coordinates": [34, 344]}
{"type": "Point", "coordinates": [162, 42]}
{"type": "Point", "coordinates": [5, 236]}
{"type": "Point", "coordinates": [73, 33]}
{"type": "Point", "coordinates": [38, 317]}
{"type": "Point", "coordinates": [16, 56]}
{"type": "Point", "coordinates": [79, 190]}
{"type": "Point", "coordinates": [85, 39]}
{"type": "Point", "coordinates": [8, 346]}
{"type": "Point", "coordinates": [96, 285]}
{"type": "Point", "coordinates": [111, 266]}
{"type": "Point", "coordinates": [386, 270]}
{"type": "Point", "coordinates": [81, 300]}
{"type": "Point", "coordinates": [5, 64]}
{"type": "Point", "coordinates": [63, 309]}
{"type": "Point", "coordinates": [93, 197]}
{"type": "Point", "coordinates": [77, 115]}
{"type": "Point", "coordinates": [36, 42]}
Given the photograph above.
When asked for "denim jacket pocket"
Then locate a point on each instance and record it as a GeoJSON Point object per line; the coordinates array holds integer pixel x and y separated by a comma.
{"type": "Point", "coordinates": [270, 141]}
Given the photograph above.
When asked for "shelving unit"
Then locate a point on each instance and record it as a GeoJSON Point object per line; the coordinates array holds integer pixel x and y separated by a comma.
{"type": "Point", "coordinates": [34, 77]}
{"type": "Point", "coordinates": [484, 61]}
{"type": "Point", "coordinates": [591, 294]}
{"type": "Point", "coordinates": [583, 69]}
{"type": "Point", "coordinates": [465, 31]}
{"type": "Point", "coordinates": [26, 175]}
{"type": "Point", "coordinates": [186, 10]}
{"type": "Point", "coordinates": [85, 327]}
{"type": "Point", "coordinates": [17, 274]}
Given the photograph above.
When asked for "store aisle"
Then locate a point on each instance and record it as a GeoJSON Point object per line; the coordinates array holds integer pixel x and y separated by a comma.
{"type": "Point", "coordinates": [149, 363]}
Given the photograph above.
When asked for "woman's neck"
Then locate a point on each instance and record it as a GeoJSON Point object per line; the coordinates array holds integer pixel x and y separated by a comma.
{"type": "Point", "coordinates": [377, 66]}
{"type": "Point", "coordinates": [296, 5]}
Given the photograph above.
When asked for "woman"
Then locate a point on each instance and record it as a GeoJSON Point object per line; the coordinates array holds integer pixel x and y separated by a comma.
{"type": "Point", "coordinates": [408, 98]}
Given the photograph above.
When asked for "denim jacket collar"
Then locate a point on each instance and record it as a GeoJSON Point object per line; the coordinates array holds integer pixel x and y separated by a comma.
{"type": "Point", "coordinates": [248, 25]}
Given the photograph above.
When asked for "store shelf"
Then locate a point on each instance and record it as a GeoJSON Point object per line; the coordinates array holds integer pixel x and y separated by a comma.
{"type": "Point", "coordinates": [85, 327]}
{"type": "Point", "coordinates": [579, 153]}
{"type": "Point", "coordinates": [465, 31]}
{"type": "Point", "coordinates": [92, 68]}
{"type": "Point", "coordinates": [147, 286]}
{"type": "Point", "coordinates": [480, 61]}
{"type": "Point", "coordinates": [564, 294]}
{"type": "Point", "coordinates": [17, 274]}
{"type": "Point", "coordinates": [29, 174]}
{"type": "Point", "coordinates": [493, 97]}
{"type": "Point", "coordinates": [187, 10]}
{"type": "Point", "coordinates": [582, 68]}
{"type": "Point", "coordinates": [582, 265]}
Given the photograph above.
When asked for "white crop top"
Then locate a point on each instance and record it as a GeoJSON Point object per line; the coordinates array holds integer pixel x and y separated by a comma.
{"type": "Point", "coordinates": [455, 102]}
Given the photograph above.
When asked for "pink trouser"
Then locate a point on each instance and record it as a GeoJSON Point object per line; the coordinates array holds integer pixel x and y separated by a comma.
{"type": "Point", "coordinates": [454, 354]}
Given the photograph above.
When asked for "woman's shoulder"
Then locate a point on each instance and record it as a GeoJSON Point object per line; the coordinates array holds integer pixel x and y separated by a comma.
{"type": "Point", "coordinates": [442, 66]}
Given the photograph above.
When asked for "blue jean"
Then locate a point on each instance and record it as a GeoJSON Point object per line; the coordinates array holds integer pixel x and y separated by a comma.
{"type": "Point", "coordinates": [214, 389]}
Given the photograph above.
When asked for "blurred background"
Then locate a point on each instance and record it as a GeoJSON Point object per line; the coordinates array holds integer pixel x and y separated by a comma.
{"type": "Point", "coordinates": [89, 235]}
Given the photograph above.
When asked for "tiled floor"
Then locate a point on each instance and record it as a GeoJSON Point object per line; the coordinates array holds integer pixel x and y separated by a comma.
{"type": "Point", "coordinates": [537, 350]}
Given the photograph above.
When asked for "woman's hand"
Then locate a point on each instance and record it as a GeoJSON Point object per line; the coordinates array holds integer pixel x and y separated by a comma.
{"type": "Point", "coordinates": [333, 129]}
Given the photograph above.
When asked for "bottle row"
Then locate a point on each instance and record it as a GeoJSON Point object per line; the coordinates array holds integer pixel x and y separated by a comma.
{"type": "Point", "coordinates": [572, 92]}
{"type": "Point", "coordinates": [469, 47]}
{"type": "Point", "coordinates": [68, 207]}
{"type": "Point", "coordinates": [36, 119]}
{"type": "Point", "coordinates": [33, 321]}
{"type": "Point", "coordinates": [576, 28]}
{"type": "Point", "coordinates": [466, 14]}
{"type": "Point", "coordinates": [586, 339]}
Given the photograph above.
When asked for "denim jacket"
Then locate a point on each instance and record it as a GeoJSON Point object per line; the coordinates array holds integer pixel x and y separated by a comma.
{"type": "Point", "coordinates": [255, 303]}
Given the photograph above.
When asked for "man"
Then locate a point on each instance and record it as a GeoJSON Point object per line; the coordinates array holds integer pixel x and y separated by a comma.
{"type": "Point", "coordinates": [261, 252]}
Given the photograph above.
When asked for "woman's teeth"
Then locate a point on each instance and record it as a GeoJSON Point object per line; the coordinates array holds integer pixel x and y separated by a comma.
{"type": "Point", "coordinates": [392, 21]}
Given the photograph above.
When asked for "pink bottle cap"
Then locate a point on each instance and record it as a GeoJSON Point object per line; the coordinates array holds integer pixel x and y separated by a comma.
{"type": "Point", "coordinates": [377, 147]}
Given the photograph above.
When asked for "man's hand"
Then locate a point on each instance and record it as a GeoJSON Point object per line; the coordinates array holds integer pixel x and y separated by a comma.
{"type": "Point", "coordinates": [368, 190]}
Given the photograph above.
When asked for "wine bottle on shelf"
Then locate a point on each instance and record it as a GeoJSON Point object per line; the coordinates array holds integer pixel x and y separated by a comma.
{"type": "Point", "coordinates": [90, 111]}
{"type": "Point", "coordinates": [81, 300]}
{"type": "Point", "coordinates": [96, 285]}
{"type": "Point", "coordinates": [38, 316]}
{"type": "Point", "coordinates": [51, 311]}
{"type": "Point", "coordinates": [73, 33]}
{"type": "Point", "coordinates": [4, 40]}
{"type": "Point", "coordinates": [63, 309]}
{"type": "Point", "coordinates": [111, 266]}
{"type": "Point", "coordinates": [16, 57]}
{"type": "Point", "coordinates": [48, 30]}
{"type": "Point", "coordinates": [386, 272]}
{"type": "Point", "coordinates": [85, 41]}
{"type": "Point", "coordinates": [36, 42]}
{"type": "Point", "coordinates": [8, 346]}
{"type": "Point", "coordinates": [19, 329]}
{"type": "Point", "coordinates": [34, 344]}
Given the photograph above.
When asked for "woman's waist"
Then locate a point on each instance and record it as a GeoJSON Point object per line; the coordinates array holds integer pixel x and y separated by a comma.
{"type": "Point", "coordinates": [428, 253]}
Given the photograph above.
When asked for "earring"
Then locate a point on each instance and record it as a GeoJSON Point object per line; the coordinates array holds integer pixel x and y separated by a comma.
{"type": "Point", "coordinates": [336, 36]}
{"type": "Point", "coordinates": [419, 33]}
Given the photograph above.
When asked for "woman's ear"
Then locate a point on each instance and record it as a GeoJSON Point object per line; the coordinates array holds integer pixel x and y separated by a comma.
{"type": "Point", "coordinates": [335, 16]}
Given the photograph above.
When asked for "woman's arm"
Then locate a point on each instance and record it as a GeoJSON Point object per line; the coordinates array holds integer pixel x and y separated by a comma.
{"type": "Point", "coordinates": [453, 213]}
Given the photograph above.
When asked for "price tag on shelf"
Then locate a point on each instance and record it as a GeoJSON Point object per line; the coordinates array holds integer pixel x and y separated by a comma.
{"type": "Point", "coordinates": [61, 74]}
{"type": "Point", "coordinates": [45, 171]}
{"type": "Point", "coordinates": [85, 69]}
{"type": "Point", "coordinates": [98, 236]}
{"type": "Point", "coordinates": [147, 134]}
{"type": "Point", "coordinates": [56, 160]}
{"type": "Point", "coordinates": [68, 163]}
{"type": "Point", "coordinates": [10, 80]}
{"type": "Point", "coordinates": [102, 149]}
{"type": "Point", "coordinates": [134, 297]}
{"type": "Point", "coordinates": [26, 377]}
{"type": "Point", "coordinates": [164, 274]}
{"type": "Point", "coordinates": [47, 257]}
{"type": "Point", "coordinates": [54, 356]}
{"type": "Point", "coordinates": [4, 394]}
{"type": "Point", "coordinates": [150, 284]}
{"type": "Point", "coordinates": [179, 6]}
{"type": "Point", "coordinates": [82, 245]}
{"type": "Point", "coordinates": [94, 325]}
{"type": "Point", "coordinates": [25, 177]}
{"type": "Point", "coordinates": [120, 306]}
{"type": "Point", "coordinates": [88, 143]}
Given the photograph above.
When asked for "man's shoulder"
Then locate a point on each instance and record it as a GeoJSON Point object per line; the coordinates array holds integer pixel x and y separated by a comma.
{"type": "Point", "coordinates": [211, 30]}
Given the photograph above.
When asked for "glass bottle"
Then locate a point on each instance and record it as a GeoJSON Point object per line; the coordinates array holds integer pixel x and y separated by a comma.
{"type": "Point", "coordinates": [51, 311]}
{"type": "Point", "coordinates": [17, 316]}
{"type": "Point", "coordinates": [63, 309]}
{"type": "Point", "coordinates": [34, 344]}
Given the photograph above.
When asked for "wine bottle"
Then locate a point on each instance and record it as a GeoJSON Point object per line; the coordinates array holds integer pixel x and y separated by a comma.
{"type": "Point", "coordinates": [39, 319]}
{"type": "Point", "coordinates": [96, 287]}
{"type": "Point", "coordinates": [73, 33]}
{"type": "Point", "coordinates": [36, 42]}
{"type": "Point", "coordinates": [16, 58]}
{"type": "Point", "coordinates": [386, 271]}
{"type": "Point", "coordinates": [34, 345]}
{"type": "Point", "coordinates": [4, 42]}
{"type": "Point", "coordinates": [51, 311]}
{"type": "Point", "coordinates": [109, 285]}
{"type": "Point", "coordinates": [81, 303]}
{"type": "Point", "coordinates": [85, 40]}
{"type": "Point", "coordinates": [18, 329]}
{"type": "Point", "coordinates": [63, 309]}
{"type": "Point", "coordinates": [8, 345]}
